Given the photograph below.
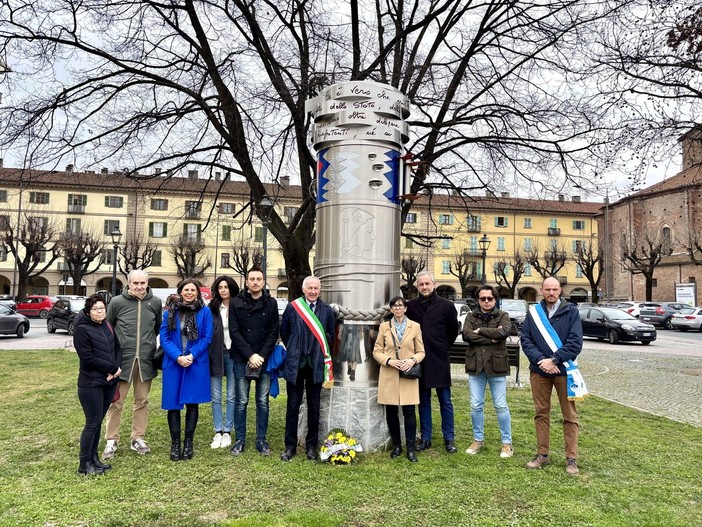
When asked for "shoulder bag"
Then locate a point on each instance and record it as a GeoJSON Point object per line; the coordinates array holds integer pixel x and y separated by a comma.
{"type": "Point", "coordinates": [415, 372]}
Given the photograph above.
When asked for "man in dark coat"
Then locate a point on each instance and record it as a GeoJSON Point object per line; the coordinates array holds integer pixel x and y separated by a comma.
{"type": "Point", "coordinates": [304, 363]}
{"type": "Point", "coordinates": [440, 327]}
{"type": "Point", "coordinates": [253, 327]}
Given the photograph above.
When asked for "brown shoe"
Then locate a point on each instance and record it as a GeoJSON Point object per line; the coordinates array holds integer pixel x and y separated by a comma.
{"type": "Point", "coordinates": [474, 448]}
{"type": "Point", "coordinates": [507, 450]}
{"type": "Point", "coordinates": [572, 467]}
{"type": "Point", "coordinates": [538, 462]}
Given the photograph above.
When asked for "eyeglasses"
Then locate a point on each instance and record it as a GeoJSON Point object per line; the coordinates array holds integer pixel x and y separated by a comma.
{"type": "Point", "coordinates": [486, 298]}
{"type": "Point", "coordinates": [98, 309]}
{"type": "Point", "coordinates": [397, 306]}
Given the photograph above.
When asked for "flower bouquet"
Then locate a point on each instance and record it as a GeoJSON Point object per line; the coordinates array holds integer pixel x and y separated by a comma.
{"type": "Point", "coordinates": [339, 448]}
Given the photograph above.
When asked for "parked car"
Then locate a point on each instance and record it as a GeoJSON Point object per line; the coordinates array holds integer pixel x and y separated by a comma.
{"type": "Point", "coordinates": [282, 304]}
{"type": "Point", "coordinates": [687, 318]}
{"type": "Point", "coordinates": [36, 305]}
{"type": "Point", "coordinates": [12, 323]}
{"type": "Point", "coordinates": [634, 307]}
{"type": "Point", "coordinates": [660, 315]}
{"type": "Point", "coordinates": [615, 325]}
{"type": "Point", "coordinates": [517, 310]}
{"type": "Point", "coordinates": [7, 300]}
{"type": "Point", "coordinates": [63, 314]}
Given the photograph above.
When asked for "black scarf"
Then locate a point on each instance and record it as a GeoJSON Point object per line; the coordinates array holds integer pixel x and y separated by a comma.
{"type": "Point", "coordinates": [424, 301]}
{"type": "Point", "coordinates": [190, 311]}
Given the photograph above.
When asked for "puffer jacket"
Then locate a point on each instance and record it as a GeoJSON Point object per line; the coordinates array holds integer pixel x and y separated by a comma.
{"type": "Point", "coordinates": [487, 350]}
{"type": "Point", "coordinates": [136, 323]}
{"type": "Point", "coordinates": [98, 350]}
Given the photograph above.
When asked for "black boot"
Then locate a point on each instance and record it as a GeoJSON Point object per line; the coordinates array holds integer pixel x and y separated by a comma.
{"type": "Point", "coordinates": [174, 428]}
{"type": "Point", "coordinates": [191, 416]}
{"type": "Point", "coordinates": [86, 468]}
{"type": "Point", "coordinates": [98, 464]}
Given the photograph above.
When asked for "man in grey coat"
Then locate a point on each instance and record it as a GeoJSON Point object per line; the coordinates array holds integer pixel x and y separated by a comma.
{"type": "Point", "coordinates": [135, 316]}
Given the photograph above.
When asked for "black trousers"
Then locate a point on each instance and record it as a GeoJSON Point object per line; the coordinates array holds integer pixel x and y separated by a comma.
{"type": "Point", "coordinates": [393, 420]}
{"type": "Point", "coordinates": [95, 401]}
{"type": "Point", "coordinates": [304, 385]}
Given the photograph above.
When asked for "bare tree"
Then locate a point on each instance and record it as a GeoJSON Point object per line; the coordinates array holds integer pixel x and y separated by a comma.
{"type": "Point", "coordinates": [515, 268]}
{"type": "Point", "coordinates": [137, 253]}
{"type": "Point", "coordinates": [553, 260]}
{"type": "Point", "coordinates": [646, 58]}
{"type": "Point", "coordinates": [190, 261]}
{"type": "Point", "coordinates": [410, 267]}
{"type": "Point", "coordinates": [32, 246]}
{"type": "Point", "coordinates": [590, 259]}
{"type": "Point", "coordinates": [81, 250]}
{"type": "Point", "coordinates": [642, 257]}
{"type": "Point", "coordinates": [244, 257]}
{"type": "Point", "coordinates": [473, 72]}
{"type": "Point", "coordinates": [465, 269]}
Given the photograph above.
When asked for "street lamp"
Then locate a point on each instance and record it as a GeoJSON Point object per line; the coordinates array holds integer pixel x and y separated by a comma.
{"type": "Point", "coordinates": [265, 207]}
{"type": "Point", "coordinates": [484, 244]}
{"type": "Point", "coordinates": [116, 235]}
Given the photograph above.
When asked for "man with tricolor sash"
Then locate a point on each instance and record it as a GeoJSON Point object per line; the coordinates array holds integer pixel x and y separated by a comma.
{"type": "Point", "coordinates": [307, 330]}
{"type": "Point", "coordinates": [552, 338]}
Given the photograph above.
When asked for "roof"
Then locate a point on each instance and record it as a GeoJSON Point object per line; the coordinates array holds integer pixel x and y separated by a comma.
{"type": "Point", "coordinates": [119, 182]}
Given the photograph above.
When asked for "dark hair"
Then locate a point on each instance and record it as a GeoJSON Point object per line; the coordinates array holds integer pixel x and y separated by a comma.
{"type": "Point", "coordinates": [487, 288]}
{"type": "Point", "coordinates": [91, 301]}
{"type": "Point", "coordinates": [397, 298]}
{"type": "Point", "coordinates": [216, 299]}
{"type": "Point", "coordinates": [187, 281]}
{"type": "Point", "coordinates": [256, 269]}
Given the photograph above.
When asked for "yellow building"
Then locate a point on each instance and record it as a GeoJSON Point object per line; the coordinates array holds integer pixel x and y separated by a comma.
{"type": "Point", "coordinates": [455, 227]}
{"type": "Point", "coordinates": [164, 212]}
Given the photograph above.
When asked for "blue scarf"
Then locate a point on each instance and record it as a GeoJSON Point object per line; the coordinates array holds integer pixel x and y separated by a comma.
{"type": "Point", "coordinates": [577, 390]}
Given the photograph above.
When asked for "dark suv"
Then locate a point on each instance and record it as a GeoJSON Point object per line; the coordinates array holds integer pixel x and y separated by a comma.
{"type": "Point", "coordinates": [660, 315]}
{"type": "Point", "coordinates": [63, 314]}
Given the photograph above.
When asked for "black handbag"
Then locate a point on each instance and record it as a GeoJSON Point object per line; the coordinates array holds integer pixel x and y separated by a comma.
{"type": "Point", "coordinates": [415, 372]}
{"type": "Point", "coordinates": [158, 358]}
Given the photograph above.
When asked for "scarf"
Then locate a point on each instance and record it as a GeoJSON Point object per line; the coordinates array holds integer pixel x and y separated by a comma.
{"type": "Point", "coordinates": [577, 390]}
{"type": "Point", "coordinates": [190, 311]}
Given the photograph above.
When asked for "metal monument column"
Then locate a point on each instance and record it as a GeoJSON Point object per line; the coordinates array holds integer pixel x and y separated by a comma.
{"type": "Point", "coordinates": [359, 132]}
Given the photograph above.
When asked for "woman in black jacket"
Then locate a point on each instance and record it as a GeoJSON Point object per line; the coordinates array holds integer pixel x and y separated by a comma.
{"type": "Point", "coordinates": [100, 357]}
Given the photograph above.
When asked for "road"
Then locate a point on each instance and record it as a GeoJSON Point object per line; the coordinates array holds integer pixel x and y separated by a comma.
{"type": "Point", "coordinates": [663, 378]}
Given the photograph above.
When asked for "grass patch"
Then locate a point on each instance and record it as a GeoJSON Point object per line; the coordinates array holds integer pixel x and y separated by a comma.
{"type": "Point", "coordinates": [636, 469]}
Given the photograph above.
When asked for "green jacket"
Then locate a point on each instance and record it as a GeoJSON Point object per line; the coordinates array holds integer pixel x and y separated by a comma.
{"type": "Point", "coordinates": [488, 349]}
{"type": "Point", "coordinates": [137, 324]}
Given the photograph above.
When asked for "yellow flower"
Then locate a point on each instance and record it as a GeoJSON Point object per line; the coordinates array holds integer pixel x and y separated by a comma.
{"type": "Point", "coordinates": [352, 442]}
{"type": "Point", "coordinates": [352, 454]}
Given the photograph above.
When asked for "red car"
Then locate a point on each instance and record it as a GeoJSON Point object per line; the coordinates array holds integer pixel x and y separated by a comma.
{"type": "Point", "coordinates": [36, 305]}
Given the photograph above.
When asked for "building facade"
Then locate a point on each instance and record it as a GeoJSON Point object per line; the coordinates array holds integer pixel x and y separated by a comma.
{"type": "Point", "coordinates": [163, 212]}
{"type": "Point", "coordinates": [667, 215]}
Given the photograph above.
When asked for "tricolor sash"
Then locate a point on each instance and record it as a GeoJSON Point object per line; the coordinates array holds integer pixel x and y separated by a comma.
{"type": "Point", "coordinates": [315, 326]}
{"type": "Point", "coordinates": [577, 390]}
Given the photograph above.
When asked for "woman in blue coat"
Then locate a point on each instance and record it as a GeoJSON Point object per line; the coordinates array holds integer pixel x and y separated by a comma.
{"type": "Point", "coordinates": [186, 332]}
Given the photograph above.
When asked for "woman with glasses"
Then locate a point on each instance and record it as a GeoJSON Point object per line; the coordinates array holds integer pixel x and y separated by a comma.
{"type": "Point", "coordinates": [487, 362]}
{"type": "Point", "coordinates": [100, 358]}
{"type": "Point", "coordinates": [398, 347]}
{"type": "Point", "coordinates": [186, 333]}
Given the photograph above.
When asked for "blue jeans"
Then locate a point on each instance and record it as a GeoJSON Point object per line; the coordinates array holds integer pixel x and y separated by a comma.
{"type": "Point", "coordinates": [243, 387]}
{"type": "Point", "coordinates": [216, 392]}
{"type": "Point", "coordinates": [445, 407]}
{"type": "Point", "coordinates": [498, 391]}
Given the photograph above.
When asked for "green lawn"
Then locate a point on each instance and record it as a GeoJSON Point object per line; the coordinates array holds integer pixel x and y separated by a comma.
{"type": "Point", "coordinates": [636, 469]}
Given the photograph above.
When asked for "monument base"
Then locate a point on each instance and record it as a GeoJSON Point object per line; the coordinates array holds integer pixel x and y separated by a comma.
{"type": "Point", "coordinates": [356, 410]}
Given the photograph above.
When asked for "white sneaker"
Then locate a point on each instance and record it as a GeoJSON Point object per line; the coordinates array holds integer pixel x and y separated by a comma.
{"type": "Point", "coordinates": [216, 441]}
{"type": "Point", "coordinates": [226, 440]}
{"type": "Point", "coordinates": [140, 447]}
{"type": "Point", "coordinates": [110, 449]}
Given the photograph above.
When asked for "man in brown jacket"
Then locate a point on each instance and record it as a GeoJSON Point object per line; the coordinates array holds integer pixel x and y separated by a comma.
{"type": "Point", "coordinates": [487, 362]}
